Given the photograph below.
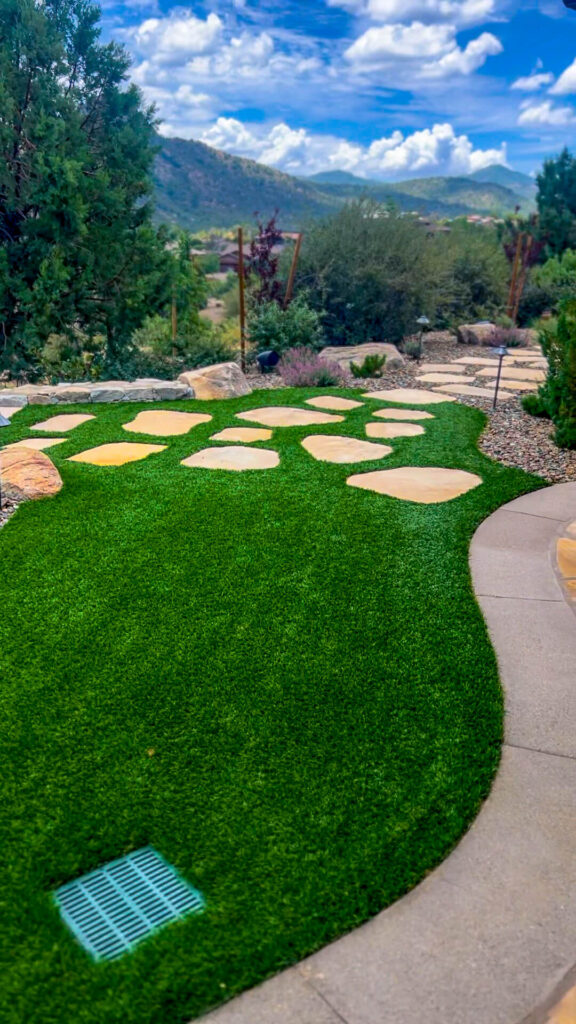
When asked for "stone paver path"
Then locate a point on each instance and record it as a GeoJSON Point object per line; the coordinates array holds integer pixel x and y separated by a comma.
{"type": "Point", "coordinates": [334, 403]}
{"type": "Point", "coordinates": [38, 444]}
{"type": "Point", "coordinates": [423, 484]}
{"type": "Point", "coordinates": [64, 422]}
{"type": "Point", "coordinates": [490, 936]}
{"type": "Point", "coordinates": [237, 460]}
{"type": "Point", "coordinates": [403, 415]}
{"type": "Point", "coordinates": [407, 396]}
{"type": "Point", "coordinates": [245, 435]}
{"type": "Point", "coordinates": [326, 448]}
{"type": "Point", "coordinates": [288, 416]}
{"type": "Point", "coordinates": [473, 392]}
{"type": "Point", "coordinates": [117, 454]}
{"type": "Point", "coordinates": [394, 430]}
{"type": "Point", "coordinates": [165, 422]}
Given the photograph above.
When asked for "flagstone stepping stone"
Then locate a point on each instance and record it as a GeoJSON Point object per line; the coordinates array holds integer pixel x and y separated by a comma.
{"type": "Point", "coordinates": [571, 530]}
{"type": "Point", "coordinates": [535, 353]}
{"type": "Point", "coordinates": [473, 392]}
{"type": "Point", "coordinates": [394, 430]}
{"type": "Point", "coordinates": [476, 361]}
{"type": "Point", "coordinates": [331, 402]}
{"type": "Point", "coordinates": [408, 396]}
{"type": "Point", "coordinates": [165, 423]}
{"type": "Point", "coordinates": [37, 444]}
{"type": "Point", "coordinates": [439, 378]}
{"type": "Point", "coordinates": [232, 458]}
{"type": "Point", "coordinates": [566, 552]}
{"type": "Point", "coordinates": [28, 475]}
{"type": "Point", "coordinates": [517, 385]}
{"type": "Point", "coordinates": [287, 416]}
{"type": "Point", "coordinates": [246, 435]}
{"type": "Point", "coordinates": [117, 454]}
{"type": "Point", "coordinates": [514, 373]}
{"type": "Point", "coordinates": [62, 423]}
{"type": "Point", "coordinates": [425, 485]}
{"type": "Point", "coordinates": [325, 448]}
{"type": "Point", "coordinates": [442, 368]}
{"type": "Point", "coordinates": [403, 414]}
{"type": "Point", "coordinates": [8, 411]}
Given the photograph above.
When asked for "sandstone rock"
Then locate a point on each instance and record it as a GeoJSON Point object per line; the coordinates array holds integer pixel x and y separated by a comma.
{"type": "Point", "coordinates": [72, 393]}
{"type": "Point", "coordinates": [168, 391]}
{"type": "Point", "coordinates": [28, 474]}
{"type": "Point", "coordinates": [476, 334]}
{"type": "Point", "coordinates": [107, 394]}
{"type": "Point", "coordinates": [346, 354]}
{"type": "Point", "coordinates": [224, 380]}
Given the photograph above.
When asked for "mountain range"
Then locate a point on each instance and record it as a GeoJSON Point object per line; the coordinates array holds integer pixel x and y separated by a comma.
{"type": "Point", "coordinates": [198, 187]}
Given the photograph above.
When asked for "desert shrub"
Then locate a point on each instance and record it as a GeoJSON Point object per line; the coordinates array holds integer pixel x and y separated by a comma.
{"type": "Point", "coordinates": [510, 337]}
{"type": "Point", "coordinates": [535, 300]}
{"type": "Point", "coordinates": [411, 348]}
{"type": "Point", "coordinates": [203, 346]}
{"type": "Point", "coordinates": [270, 326]}
{"type": "Point", "coordinates": [217, 289]}
{"type": "Point", "coordinates": [303, 368]}
{"type": "Point", "coordinates": [557, 396]}
{"type": "Point", "coordinates": [371, 367]}
{"type": "Point", "coordinates": [72, 357]}
{"type": "Point", "coordinates": [471, 276]}
{"type": "Point", "coordinates": [557, 278]}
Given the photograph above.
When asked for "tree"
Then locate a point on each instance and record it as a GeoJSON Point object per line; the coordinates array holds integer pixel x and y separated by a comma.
{"type": "Point", "coordinates": [78, 250]}
{"type": "Point", "coordinates": [557, 203]}
{"type": "Point", "coordinates": [264, 264]}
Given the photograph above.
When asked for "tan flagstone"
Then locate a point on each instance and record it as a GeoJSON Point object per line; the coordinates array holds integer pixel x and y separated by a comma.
{"type": "Point", "coordinates": [403, 414]}
{"type": "Point", "coordinates": [441, 378]}
{"type": "Point", "coordinates": [476, 361]}
{"type": "Point", "coordinates": [231, 458]}
{"type": "Point", "coordinates": [327, 448]}
{"type": "Point", "coordinates": [514, 373]}
{"type": "Point", "coordinates": [288, 416]}
{"type": "Point", "coordinates": [473, 392]}
{"type": "Point", "coordinates": [566, 553]}
{"type": "Point", "coordinates": [333, 402]}
{"type": "Point", "coordinates": [117, 454]}
{"type": "Point", "coordinates": [165, 422]}
{"type": "Point", "coordinates": [64, 422]}
{"type": "Point", "coordinates": [571, 529]}
{"type": "Point", "coordinates": [245, 435]}
{"type": "Point", "coordinates": [565, 1011]}
{"type": "Point", "coordinates": [516, 385]}
{"type": "Point", "coordinates": [531, 352]}
{"type": "Point", "coordinates": [37, 444]}
{"type": "Point", "coordinates": [407, 396]}
{"type": "Point", "coordinates": [8, 411]}
{"type": "Point", "coordinates": [442, 368]}
{"type": "Point", "coordinates": [394, 430]}
{"type": "Point", "coordinates": [425, 485]}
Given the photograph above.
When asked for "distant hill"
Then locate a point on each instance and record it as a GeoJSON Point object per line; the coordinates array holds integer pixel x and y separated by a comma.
{"type": "Point", "coordinates": [198, 187]}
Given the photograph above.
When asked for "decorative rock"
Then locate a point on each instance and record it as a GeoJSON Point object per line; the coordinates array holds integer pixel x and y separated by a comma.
{"type": "Point", "coordinates": [403, 414]}
{"type": "Point", "coordinates": [566, 553]}
{"type": "Point", "coordinates": [346, 354]}
{"type": "Point", "coordinates": [225, 380]}
{"type": "Point", "coordinates": [238, 460]}
{"type": "Point", "coordinates": [332, 402]}
{"type": "Point", "coordinates": [409, 396]}
{"type": "Point", "coordinates": [245, 435]}
{"type": "Point", "coordinates": [67, 421]}
{"type": "Point", "coordinates": [27, 475]}
{"type": "Point", "coordinates": [108, 394]}
{"type": "Point", "coordinates": [165, 423]}
{"type": "Point", "coordinates": [439, 378]}
{"type": "Point", "coordinates": [476, 334]}
{"type": "Point", "coordinates": [425, 485]}
{"type": "Point", "coordinates": [394, 430]}
{"type": "Point", "coordinates": [473, 392]}
{"type": "Point", "coordinates": [167, 391]}
{"type": "Point", "coordinates": [571, 529]}
{"type": "Point", "coordinates": [326, 448]}
{"type": "Point", "coordinates": [72, 394]}
{"type": "Point", "coordinates": [37, 444]}
{"type": "Point", "coordinates": [287, 416]}
{"type": "Point", "coordinates": [12, 398]}
{"type": "Point", "coordinates": [117, 454]}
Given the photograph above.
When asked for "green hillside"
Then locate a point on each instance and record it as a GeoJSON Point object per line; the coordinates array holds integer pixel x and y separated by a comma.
{"type": "Point", "coordinates": [497, 174]}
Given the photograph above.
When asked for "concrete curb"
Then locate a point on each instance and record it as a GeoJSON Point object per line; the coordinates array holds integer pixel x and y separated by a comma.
{"type": "Point", "coordinates": [491, 933]}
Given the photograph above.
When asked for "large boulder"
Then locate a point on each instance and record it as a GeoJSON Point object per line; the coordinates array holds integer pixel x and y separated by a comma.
{"type": "Point", "coordinates": [346, 354]}
{"type": "Point", "coordinates": [476, 334]}
{"type": "Point", "coordinates": [224, 380]}
{"type": "Point", "coordinates": [27, 474]}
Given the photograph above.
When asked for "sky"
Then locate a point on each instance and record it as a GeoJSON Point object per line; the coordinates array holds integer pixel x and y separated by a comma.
{"type": "Point", "coordinates": [383, 89]}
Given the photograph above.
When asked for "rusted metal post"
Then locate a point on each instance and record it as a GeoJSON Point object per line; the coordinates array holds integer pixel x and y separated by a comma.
{"type": "Point", "coordinates": [242, 290]}
{"type": "Point", "coordinates": [292, 276]}
{"type": "Point", "coordinates": [514, 281]}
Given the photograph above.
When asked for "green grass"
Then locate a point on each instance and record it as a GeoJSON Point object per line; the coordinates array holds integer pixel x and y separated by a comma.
{"type": "Point", "coordinates": [308, 665]}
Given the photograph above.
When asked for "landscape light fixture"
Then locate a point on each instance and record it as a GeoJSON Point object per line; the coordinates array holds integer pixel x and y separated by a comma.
{"type": "Point", "coordinates": [501, 353]}
{"type": "Point", "coordinates": [268, 360]}
{"type": "Point", "coordinates": [3, 423]}
{"type": "Point", "coordinates": [423, 323]}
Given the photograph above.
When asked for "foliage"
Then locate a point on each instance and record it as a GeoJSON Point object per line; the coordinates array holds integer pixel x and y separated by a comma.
{"type": "Point", "coordinates": [509, 337]}
{"type": "Point", "coordinates": [270, 326]}
{"type": "Point", "coordinates": [557, 278]}
{"type": "Point", "coordinates": [557, 202]}
{"type": "Point", "coordinates": [74, 356]}
{"type": "Point", "coordinates": [204, 347]}
{"type": "Point", "coordinates": [412, 348]}
{"type": "Point", "coordinates": [264, 263]}
{"type": "Point", "coordinates": [78, 251]}
{"type": "Point", "coordinates": [303, 368]}
{"type": "Point", "coordinates": [371, 367]}
{"type": "Point", "coordinates": [557, 396]}
{"type": "Point", "coordinates": [471, 275]}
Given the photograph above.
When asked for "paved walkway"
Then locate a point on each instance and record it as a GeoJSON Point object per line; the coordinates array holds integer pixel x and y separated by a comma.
{"type": "Point", "coordinates": [490, 936]}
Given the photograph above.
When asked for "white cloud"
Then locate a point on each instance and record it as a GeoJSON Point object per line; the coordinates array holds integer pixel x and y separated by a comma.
{"type": "Point", "coordinates": [533, 82]}
{"type": "Point", "coordinates": [566, 84]}
{"type": "Point", "coordinates": [432, 50]}
{"type": "Point", "coordinates": [545, 113]}
{"type": "Point", "coordinates": [464, 62]}
{"type": "Point", "coordinates": [171, 40]}
{"type": "Point", "coordinates": [456, 12]}
{"type": "Point", "coordinates": [436, 150]}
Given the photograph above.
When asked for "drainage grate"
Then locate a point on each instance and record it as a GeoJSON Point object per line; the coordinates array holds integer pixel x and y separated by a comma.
{"type": "Point", "coordinates": [112, 909]}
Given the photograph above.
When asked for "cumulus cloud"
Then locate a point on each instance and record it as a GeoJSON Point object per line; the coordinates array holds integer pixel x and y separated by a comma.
{"type": "Point", "coordinates": [566, 84]}
{"type": "Point", "coordinates": [546, 114]}
{"type": "Point", "coordinates": [173, 39]}
{"type": "Point", "coordinates": [436, 150]}
{"type": "Point", "coordinates": [432, 50]}
{"type": "Point", "coordinates": [456, 12]}
{"type": "Point", "coordinates": [533, 82]}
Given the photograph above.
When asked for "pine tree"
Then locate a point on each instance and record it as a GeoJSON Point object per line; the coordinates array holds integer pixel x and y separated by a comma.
{"type": "Point", "coordinates": [557, 203]}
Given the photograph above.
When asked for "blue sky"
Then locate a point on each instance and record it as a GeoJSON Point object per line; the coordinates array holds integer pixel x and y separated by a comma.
{"type": "Point", "coordinates": [385, 89]}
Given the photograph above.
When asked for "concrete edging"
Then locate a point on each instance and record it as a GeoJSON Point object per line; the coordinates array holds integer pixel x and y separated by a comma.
{"type": "Point", "coordinates": [491, 934]}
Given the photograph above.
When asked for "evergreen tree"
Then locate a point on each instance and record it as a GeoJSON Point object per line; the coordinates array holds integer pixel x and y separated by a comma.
{"type": "Point", "coordinates": [77, 248]}
{"type": "Point", "coordinates": [557, 203]}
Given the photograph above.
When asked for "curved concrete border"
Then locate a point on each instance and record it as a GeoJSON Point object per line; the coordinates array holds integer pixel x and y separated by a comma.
{"type": "Point", "coordinates": [490, 934]}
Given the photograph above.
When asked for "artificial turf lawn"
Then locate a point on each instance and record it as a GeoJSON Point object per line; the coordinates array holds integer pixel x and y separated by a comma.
{"type": "Point", "coordinates": [281, 683]}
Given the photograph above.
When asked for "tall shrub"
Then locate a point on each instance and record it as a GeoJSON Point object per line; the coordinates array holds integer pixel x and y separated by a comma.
{"type": "Point", "coordinates": [557, 396]}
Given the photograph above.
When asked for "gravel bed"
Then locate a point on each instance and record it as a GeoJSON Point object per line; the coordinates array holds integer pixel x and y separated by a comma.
{"type": "Point", "coordinates": [7, 509]}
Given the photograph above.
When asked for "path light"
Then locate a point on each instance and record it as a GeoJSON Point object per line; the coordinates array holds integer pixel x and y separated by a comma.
{"type": "Point", "coordinates": [3, 423]}
{"type": "Point", "coordinates": [267, 360]}
{"type": "Point", "coordinates": [501, 353]}
{"type": "Point", "coordinates": [423, 323]}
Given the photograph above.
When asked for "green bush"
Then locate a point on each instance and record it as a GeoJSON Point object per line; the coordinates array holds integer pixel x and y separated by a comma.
{"type": "Point", "coordinates": [557, 278]}
{"type": "Point", "coordinates": [557, 396]}
{"type": "Point", "coordinates": [371, 367]}
{"type": "Point", "coordinates": [270, 326]}
{"type": "Point", "coordinates": [471, 275]}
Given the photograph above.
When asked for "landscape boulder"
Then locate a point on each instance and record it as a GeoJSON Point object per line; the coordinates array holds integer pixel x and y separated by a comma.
{"type": "Point", "coordinates": [224, 380]}
{"type": "Point", "coordinates": [346, 354]}
{"type": "Point", "coordinates": [27, 474]}
{"type": "Point", "coordinates": [476, 334]}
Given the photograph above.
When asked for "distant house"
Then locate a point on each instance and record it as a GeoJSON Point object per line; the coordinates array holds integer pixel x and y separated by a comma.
{"type": "Point", "coordinates": [230, 257]}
